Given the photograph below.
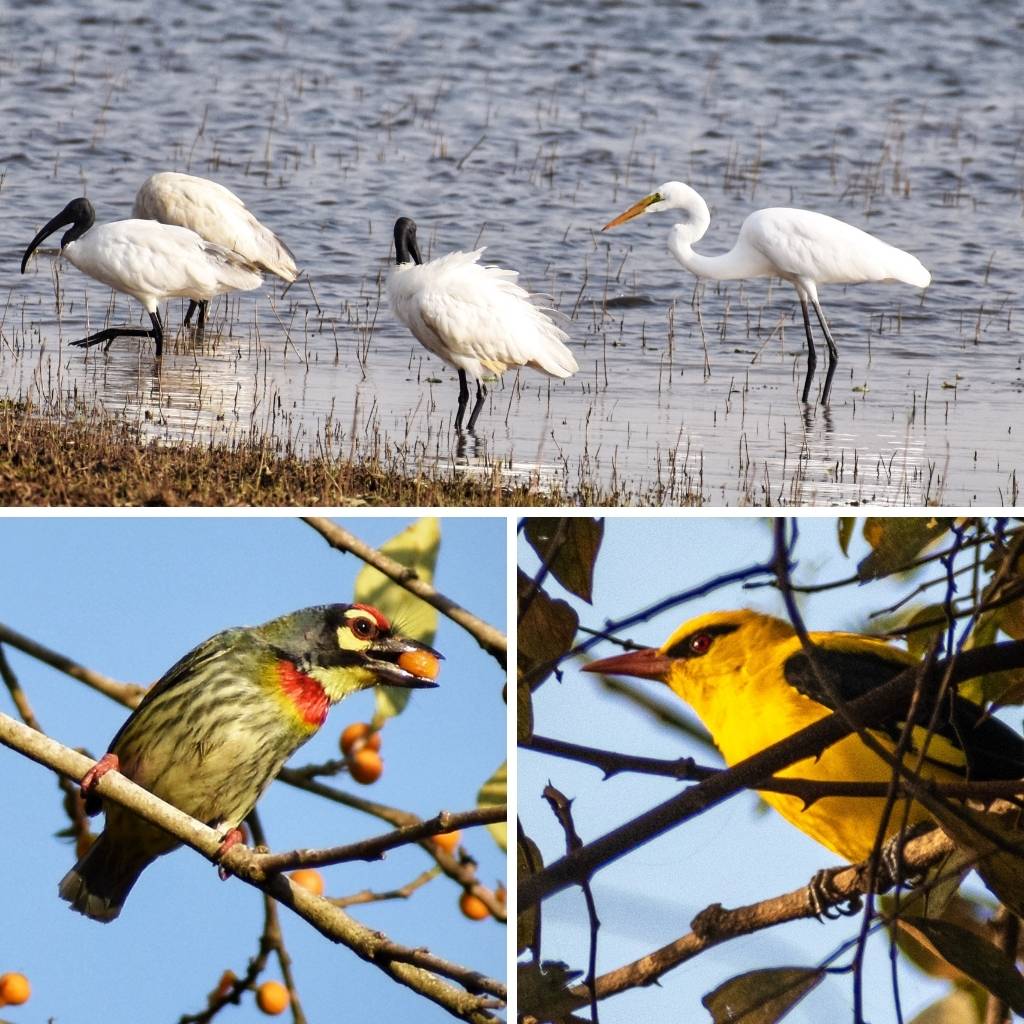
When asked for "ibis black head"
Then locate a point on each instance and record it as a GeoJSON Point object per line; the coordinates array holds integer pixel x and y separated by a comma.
{"type": "Point", "coordinates": [78, 213]}
{"type": "Point", "coordinates": [405, 241]}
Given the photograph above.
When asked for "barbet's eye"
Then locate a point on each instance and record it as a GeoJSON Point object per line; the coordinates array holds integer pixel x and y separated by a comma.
{"type": "Point", "coordinates": [365, 629]}
{"type": "Point", "coordinates": [700, 643]}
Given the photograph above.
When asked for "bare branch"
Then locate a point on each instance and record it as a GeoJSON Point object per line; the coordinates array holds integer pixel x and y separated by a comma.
{"type": "Point", "coordinates": [418, 970]}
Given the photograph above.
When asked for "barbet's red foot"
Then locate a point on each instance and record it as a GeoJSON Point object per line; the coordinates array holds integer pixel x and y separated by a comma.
{"type": "Point", "coordinates": [232, 838]}
{"type": "Point", "coordinates": [107, 763]}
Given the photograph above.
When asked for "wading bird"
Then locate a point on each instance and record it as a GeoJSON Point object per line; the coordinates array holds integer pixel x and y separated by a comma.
{"type": "Point", "coordinates": [216, 213]}
{"type": "Point", "coordinates": [475, 318]}
{"type": "Point", "coordinates": [799, 246]}
{"type": "Point", "coordinates": [146, 260]}
{"type": "Point", "coordinates": [215, 730]}
{"type": "Point", "coordinates": [749, 680]}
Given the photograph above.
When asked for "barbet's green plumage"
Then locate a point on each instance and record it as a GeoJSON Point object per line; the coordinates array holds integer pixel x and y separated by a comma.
{"type": "Point", "coordinates": [215, 730]}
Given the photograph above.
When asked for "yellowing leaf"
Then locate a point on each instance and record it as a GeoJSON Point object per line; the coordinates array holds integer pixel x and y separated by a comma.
{"type": "Point", "coordinates": [495, 792]}
{"type": "Point", "coordinates": [416, 548]}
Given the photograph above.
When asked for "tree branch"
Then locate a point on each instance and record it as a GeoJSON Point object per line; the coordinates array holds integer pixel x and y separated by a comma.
{"type": "Point", "coordinates": [416, 969]}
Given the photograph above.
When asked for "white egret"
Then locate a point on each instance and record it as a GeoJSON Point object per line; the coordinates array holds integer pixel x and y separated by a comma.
{"type": "Point", "coordinates": [476, 318]}
{"type": "Point", "coordinates": [146, 260]}
{"type": "Point", "coordinates": [799, 246]}
{"type": "Point", "coordinates": [215, 212]}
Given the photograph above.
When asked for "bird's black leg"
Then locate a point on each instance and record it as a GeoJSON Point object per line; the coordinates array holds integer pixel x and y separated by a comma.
{"type": "Point", "coordinates": [463, 399]}
{"type": "Point", "coordinates": [107, 336]}
{"type": "Point", "coordinates": [192, 307]}
{"type": "Point", "coordinates": [812, 357]}
{"type": "Point", "coordinates": [833, 352]}
{"type": "Point", "coordinates": [481, 392]}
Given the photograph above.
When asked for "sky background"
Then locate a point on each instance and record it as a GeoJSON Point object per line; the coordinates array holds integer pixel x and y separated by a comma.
{"type": "Point", "coordinates": [735, 853]}
{"type": "Point", "coordinates": [128, 597]}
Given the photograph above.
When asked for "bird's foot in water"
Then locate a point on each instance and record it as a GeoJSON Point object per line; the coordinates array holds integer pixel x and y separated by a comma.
{"type": "Point", "coordinates": [826, 902]}
{"type": "Point", "coordinates": [109, 762]}
{"type": "Point", "coordinates": [231, 838]}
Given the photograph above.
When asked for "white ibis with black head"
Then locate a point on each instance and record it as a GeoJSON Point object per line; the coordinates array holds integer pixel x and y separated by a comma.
{"type": "Point", "coordinates": [149, 261]}
{"type": "Point", "coordinates": [215, 212]}
{"type": "Point", "coordinates": [476, 318]}
{"type": "Point", "coordinates": [799, 246]}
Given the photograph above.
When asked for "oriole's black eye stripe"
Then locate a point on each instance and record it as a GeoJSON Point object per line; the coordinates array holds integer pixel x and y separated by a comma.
{"type": "Point", "coordinates": [699, 642]}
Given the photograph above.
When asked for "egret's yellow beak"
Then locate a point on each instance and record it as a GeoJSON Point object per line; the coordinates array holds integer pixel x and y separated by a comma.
{"type": "Point", "coordinates": [634, 211]}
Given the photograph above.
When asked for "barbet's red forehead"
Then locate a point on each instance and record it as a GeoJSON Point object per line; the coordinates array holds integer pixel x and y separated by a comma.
{"type": "Point", "coordinates": [381, 621]}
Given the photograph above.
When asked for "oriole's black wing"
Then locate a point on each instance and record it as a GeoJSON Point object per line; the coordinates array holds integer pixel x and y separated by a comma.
{"type": "Point", "coordinates": [991, 749]}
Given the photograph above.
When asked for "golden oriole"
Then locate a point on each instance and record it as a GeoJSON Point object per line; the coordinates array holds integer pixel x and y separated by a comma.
{"type": "Point", "coordinates": [750, 682]}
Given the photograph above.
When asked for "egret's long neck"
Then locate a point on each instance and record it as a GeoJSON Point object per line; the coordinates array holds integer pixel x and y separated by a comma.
{"type": "Point", "coordinates": [738, 263]}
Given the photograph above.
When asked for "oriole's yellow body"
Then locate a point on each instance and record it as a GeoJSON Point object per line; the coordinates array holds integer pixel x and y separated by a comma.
{"type": "Point", "coordinates": [748, 679]}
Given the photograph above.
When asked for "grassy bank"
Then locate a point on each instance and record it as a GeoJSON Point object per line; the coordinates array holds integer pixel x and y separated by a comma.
{"type": "Point", "coordinates": [96, 460]}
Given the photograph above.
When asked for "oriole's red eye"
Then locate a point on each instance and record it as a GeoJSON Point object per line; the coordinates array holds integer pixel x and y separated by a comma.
{"type": "Point", "coordinates": [700, 643]}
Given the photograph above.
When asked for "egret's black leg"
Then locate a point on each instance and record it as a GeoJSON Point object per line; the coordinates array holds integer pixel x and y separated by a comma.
{"type": "Point", "coordinates": [833, 352]}
{"type": "Point", "coordinates": [481, 392]}
{"type": "Point", "coordinates": [192, 307]}
{"type": "Point", "coordinates": [107, 336]}
{"type": "Point", "coordinates": [812, 357]}
{"type": "Point", "coordinates": [463, 399]}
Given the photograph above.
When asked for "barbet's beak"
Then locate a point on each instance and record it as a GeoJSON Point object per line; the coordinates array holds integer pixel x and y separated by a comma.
{"type": "Point", "coordinates": [399, 661]}
{"type": "Point", "coordinates": [648, 663]}
{"type": "Point", "coordinates": [634, 211]}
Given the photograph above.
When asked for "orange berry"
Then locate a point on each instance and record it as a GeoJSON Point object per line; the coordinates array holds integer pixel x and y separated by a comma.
{"type": "Point", "coordinates": [365, 766]}
{"type": "Point", "coordinates": [448, 841]}
{"type": "Point", "coordinates": [473, 907]}
{"type": "Point", "coordinates": [309, 878]}
{"type": "Point", "coordinates": [420, 663]}
{"type": "Point", "coordinates": [14, 989]}
{"type": "Point", "coordinates": [272, 997]}
{"type": "Point", "coordinates": [359, 735]}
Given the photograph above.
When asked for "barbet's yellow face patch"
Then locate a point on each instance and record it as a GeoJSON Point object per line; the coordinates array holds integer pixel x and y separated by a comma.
{"type": "Point", "coordinates": [360, 627]}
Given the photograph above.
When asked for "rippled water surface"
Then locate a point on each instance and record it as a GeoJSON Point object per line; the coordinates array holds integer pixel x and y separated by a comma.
{"type": "Point", "coordinates": [525, 127]}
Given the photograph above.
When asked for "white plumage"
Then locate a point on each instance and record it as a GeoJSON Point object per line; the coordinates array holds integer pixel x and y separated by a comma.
{"type": "Point", "coordinates": [149, 261]}
{"type": "Point", "coordinates": [215, 212]}
{"type": "Point", "coordinates": [799, 246]}
{"type": "Point", "coordinates": [474, 317]}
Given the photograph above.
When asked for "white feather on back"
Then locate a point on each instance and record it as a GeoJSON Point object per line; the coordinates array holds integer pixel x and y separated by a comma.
{"type": "Point", "coordinates": [477, 318]}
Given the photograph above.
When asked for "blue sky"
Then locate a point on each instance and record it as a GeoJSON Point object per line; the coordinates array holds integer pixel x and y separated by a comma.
{"type": "Point", "coordinates": [736, 853]}
{"type": "Point", "coordinates": [128, 596]}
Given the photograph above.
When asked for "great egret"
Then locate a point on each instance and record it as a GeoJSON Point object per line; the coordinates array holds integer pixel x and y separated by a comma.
{"type": "Point", "coordinates": [146, 260]}
{"type": "Point", "coordinates": [799, 246]}
{"type": "Point", "coordinates": [215, 212]}
{"type": "Point", "coordinates": [475, 318]}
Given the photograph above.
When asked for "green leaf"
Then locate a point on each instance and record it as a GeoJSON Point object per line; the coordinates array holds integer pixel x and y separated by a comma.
{"type": "Point", "coordinates": [569, 546]}
{"type": "Point", "coordinates": [495, 792]}
{"type": "Point", "coordinates": [897, 541]}
{"type": "Point", "coordinates": [921, 641]}
{"type": "Point", "coordinates": [845, 530]}
{"type": "Point", "coordinates": [546, 631]}
{"type": "Point", "coordinates": [977, 958]}
{"type": "Point", "coordinates": [761, 997]}
{"type": "Point", "coordinates": [416, 548]}
{"type": "Point", "coordinates": [528, 862]}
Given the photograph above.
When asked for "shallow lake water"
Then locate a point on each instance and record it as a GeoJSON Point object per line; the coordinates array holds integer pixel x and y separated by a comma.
{"type": "Point", "coordinates": [525, 127]}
